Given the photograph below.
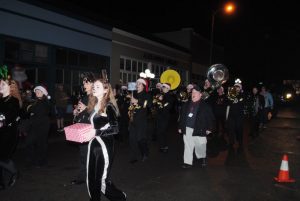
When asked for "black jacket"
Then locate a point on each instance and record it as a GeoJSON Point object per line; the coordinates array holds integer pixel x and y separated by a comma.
{"type": "Point", "coordinates": [204, 118]}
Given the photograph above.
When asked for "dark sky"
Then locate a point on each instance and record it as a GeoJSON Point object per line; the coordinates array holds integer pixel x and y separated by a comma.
{"type": "Point", "coordinates": [261, 39]}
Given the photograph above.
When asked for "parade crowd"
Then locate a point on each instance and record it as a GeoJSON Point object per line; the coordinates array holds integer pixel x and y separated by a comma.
{"type": "Point", "coordinates": [203, 112]}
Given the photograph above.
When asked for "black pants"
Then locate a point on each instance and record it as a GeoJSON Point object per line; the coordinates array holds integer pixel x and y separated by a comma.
{"type": "Point", "coordinates": [83, 150]}
{"type": "Point", "coordinates": [235, 129]}
{"type": "Point", "coordinates": [100, 154]}
{"type": "Point", "coordinates": [9, 167]}
{"type": "Point", "coordinates": [138, 141]}
{"type": "Point", "coordinates": [162, 128]}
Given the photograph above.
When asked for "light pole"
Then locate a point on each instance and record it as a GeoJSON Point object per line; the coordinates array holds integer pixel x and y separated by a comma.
{"type": "Point", "coordinates": [228, 9]}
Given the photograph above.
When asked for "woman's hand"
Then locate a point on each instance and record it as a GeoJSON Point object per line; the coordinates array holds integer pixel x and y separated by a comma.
{"type": "Point", "coordinates": [81, 106]}
{"type": "Point", "coordinates": [134, 101]}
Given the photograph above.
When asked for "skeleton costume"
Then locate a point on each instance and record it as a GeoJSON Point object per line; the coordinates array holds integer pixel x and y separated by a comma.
{"type": "Point", "coordinates": [100, 156]}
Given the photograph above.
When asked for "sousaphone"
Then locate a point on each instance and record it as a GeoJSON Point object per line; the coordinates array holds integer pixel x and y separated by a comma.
{"type": "Point", "coordinates": [217, 75]}
{"type": "Point", "coordinates": [172, 77]}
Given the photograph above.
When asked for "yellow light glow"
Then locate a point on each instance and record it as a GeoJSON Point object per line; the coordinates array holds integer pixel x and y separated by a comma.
{"type": "Point", "coordinates": [288, 96]}
{"type": "Point", "coordinates": [229, 8]}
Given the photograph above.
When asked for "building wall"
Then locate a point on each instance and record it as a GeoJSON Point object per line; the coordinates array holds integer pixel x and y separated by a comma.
{"type": "Point", "coordinates": [127, 45]}
{"type": "Point", "coordinates": [26, 21]}
{"type": "Point", "coordinates": [199, 48]}
{"type": "Point", "coordinates": [46, 32]}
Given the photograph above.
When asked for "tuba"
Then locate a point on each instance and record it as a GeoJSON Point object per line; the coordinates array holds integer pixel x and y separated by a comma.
{"type": "Point", "coordinates": [172, 77]}
{"type": "Point", "coordinates": [217, 74]}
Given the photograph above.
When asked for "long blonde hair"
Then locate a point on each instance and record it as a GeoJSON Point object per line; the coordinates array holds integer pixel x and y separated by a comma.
{"type": "Point", "coordinates": [107, 98]}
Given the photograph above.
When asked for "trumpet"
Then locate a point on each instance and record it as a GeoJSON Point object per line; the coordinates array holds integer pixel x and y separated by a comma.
{"type": "Point", "coordinates": [183, 96]}
{"type": "Point", "coordinates": [156, 100]}
{"type": "Point", "coordinates": [232, 93]}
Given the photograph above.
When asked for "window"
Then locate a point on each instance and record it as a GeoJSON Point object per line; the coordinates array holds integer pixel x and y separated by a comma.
{"type": "Point", "coordinates": [42, 75]}
{"type": "Point", "coordinates": [140, 67]}
{"type": "Point", "coordinates": [144, 66]}
{"type": "Point", "coordinates": [134, 64]}
{"type": "Point", "coordinates": [128, 65]}
{"type": "Point", "coordinates": [129, 78]}
{"type": "Point", "coordinates": [73, 58]}
{"type": "Point", "coordinates": [83, 60]}
{"type": "Point", "coordinates": [59, 76]}
{"type": "Point", "coordinates": [61, 56]}
{"type": "Point", "coordinates": [12, 50]}
{"type": "Point", "coordinates": [124, 78]}
{"type": "Point", "coordinates": [122, 66]}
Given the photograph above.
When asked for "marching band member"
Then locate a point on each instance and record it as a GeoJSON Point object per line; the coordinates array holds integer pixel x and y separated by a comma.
{"type": "Point", "coordinates": [163, 116]}
{"type": "Point", "coordinates": [81, 115]}
{"type": "Point", "coordinates": [235, 116]}
{"type": "Point", "coordinates": [9, 111]}
{"type": "Point", "coordinates": [196, 122]}
{"type": "Point", "coordinates": [138, 122]}
{"type": "Point", "coordinates": [189, 89]}
{"type": "Point", "coordinates": [104, 113]}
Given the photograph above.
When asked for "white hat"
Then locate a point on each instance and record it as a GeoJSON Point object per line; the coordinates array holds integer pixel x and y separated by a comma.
{"type": "Point", "coordinates": [190, 86]}
{"type": "Point", "coordinates": [43, 90]}
{"type": "Point", "coordinates": [167, 85]}
{"type": "Point", "coordinates": [124, 87]}
{"type": "Point", "coordinates": [140, 80]}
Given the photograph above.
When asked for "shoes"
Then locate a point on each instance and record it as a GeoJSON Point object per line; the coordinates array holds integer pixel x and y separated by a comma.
{"type": "Point", "coordinates": [144, 158]}
{"type": "Point", "coordinates": [60, 130]}
{"type": "Point", "coordinates": [186, 166]}
{"type": "Point", "coordinates": [133, 161]}
{"type": "Point", "coordinates": [77, 182]}
{"type": "Point", "coordinates": [125, 195]}
{"type": "Point", "coordinates": [13, 179]}
{"type": "Point", "coordinates": [164, 149]}
{"type": "Point", "coordinates": [203, 162]}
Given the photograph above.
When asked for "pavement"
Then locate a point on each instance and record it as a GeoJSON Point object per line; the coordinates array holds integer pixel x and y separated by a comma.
{"type": "Point", "coordinates": [229, 176]}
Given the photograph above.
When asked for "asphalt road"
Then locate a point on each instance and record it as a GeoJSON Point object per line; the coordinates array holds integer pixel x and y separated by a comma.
{"type": "Point", "coordinates": [229, 176]}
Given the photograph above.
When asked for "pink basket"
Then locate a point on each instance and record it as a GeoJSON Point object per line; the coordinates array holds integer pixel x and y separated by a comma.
{"type": "Point", "coordinates": [78, 132]}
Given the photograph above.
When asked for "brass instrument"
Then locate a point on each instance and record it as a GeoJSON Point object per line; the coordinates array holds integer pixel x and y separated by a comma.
{"type": "Point", "coordinates": [131, 111]}
{"type": "Point", "coordinates": [172, 77]}
{"type": "Point", "coordinates": [217, 75]}
{"type": "Point", "coordinates": [232, 93]}
{"type": "Point", "coordinates": [183, 96]}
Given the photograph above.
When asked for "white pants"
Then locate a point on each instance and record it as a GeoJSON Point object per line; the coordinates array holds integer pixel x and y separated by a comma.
{"type": "Point", "coordinates": [193, 142]}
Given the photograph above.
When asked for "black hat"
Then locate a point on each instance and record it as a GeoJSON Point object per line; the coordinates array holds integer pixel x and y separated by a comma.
{"type": "Point", "coordinates": [198, 88]}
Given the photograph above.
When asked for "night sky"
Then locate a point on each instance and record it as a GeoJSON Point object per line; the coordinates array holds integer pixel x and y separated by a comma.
{"type": "Point", "coordinates": [261, 39]}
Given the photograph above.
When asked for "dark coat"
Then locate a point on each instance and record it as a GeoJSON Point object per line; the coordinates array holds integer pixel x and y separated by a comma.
{"type": "Point", "coordinates": [204, 118]}
{"type": "Point", "coordinates": [39, 118]}
{"type": "Point", "coordinates": [9, 107]}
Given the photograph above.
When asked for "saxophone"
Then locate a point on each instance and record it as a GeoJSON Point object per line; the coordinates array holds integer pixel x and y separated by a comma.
{"type": "Point", "coordinates": [131, 111]}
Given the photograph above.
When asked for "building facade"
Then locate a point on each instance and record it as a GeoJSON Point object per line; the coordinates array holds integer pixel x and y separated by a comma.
{"type": "Point", "coordinates": [51, 47]}
{"type": "Point", "coordinates": [133, 54]}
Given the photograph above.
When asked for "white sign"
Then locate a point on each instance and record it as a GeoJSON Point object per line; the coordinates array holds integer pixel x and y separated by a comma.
{"type": "Point", "coordinates": [131, 86]}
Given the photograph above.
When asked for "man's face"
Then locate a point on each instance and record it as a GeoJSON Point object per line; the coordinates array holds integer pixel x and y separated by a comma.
{"type": "Point", "coordinates": [254, 90]}
{"type": "Point", "coordinates": [38, 93]}
{"type": "Point", "coordinates": [165, 89]}
{"type": "Point", "coordinates": [139, 87]}
{"type": "Point", "coordinates": [196, 95]}
{"type": "Point", "coordinates": [238, 89]}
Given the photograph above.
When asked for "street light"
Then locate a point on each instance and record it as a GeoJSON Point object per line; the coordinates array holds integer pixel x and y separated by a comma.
{"type": "Point", "coordinates": [228, 9]}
